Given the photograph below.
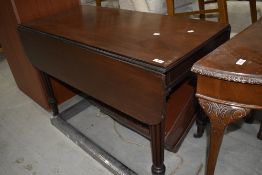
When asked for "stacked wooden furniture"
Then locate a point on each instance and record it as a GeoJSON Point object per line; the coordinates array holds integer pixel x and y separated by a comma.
{"type": "Point", "coordinates": [135, 65]}
{"type": "Point", "coordinates": [230, 84]}
{"type": "Point", "coordinates": [29, 79]}
{"type": "Point", "coordinates": [221, 9]}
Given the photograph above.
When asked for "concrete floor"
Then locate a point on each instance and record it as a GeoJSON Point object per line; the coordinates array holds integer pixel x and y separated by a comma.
{"type": "Point", "coordinates": [30, 145]}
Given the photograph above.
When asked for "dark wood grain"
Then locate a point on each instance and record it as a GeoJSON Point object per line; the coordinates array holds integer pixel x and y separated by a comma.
{"type": "Point", "coordinates": [108, 54]}
{"type": "Point", "coordinates": [246, 46]}
{"type": "Point", "coordinates": [157, 145]}
{"type": "Point", "coordinates": [115, 83]}
{"type": "Point", "coordinates": [123, 35]}
{"type": "Point", "coordinates": [227, 90]}
{"type": "Point", "coordinates": [235, 93]}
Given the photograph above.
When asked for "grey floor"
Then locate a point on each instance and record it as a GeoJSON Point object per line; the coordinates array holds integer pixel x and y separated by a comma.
{"type": "Point", "coordinates": [30, 145]}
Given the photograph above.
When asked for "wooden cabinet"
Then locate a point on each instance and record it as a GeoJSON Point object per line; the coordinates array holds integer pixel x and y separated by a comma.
{"type": "Point", "coordinates": [28, 79]}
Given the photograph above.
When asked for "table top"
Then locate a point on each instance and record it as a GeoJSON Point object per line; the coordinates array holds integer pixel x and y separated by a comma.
{"type": "Point", "coordinates": [162, 41]}
{"type": "Point", "coordinates": [238, 60]}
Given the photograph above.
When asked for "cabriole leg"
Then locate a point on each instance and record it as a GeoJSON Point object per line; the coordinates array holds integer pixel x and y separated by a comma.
{"type": "Point", "coordinates": [220, 116]}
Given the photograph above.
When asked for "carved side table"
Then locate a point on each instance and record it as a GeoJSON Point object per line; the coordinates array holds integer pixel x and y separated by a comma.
{"type": "Point", "coordinates": [230, 84]}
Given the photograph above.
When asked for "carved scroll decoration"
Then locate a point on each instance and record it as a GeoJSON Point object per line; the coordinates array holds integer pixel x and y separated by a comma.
{"type": "Point", "coordinates": [221, 114]}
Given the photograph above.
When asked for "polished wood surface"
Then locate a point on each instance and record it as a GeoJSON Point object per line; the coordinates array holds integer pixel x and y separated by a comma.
{"type": "Point", "coordinates": [27, 78]}
{"type": "Point", "coordinates": [227, 89]}
{"type": "Point", "coordinates": [108, 54]}
{"type": "Point", "coordinates": [122, 31]}
{"type": "Point", "coordinates": [239, 47]}
{"type": "Point", "coordinates": [131, 84]}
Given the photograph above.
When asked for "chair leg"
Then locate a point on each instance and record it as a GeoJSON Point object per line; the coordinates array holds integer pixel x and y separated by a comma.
{"type": "Point", "coordinates": [201, 122]}
{"type": "Point", "coordinates": [253, 10]}
{"type": "Point", "coordinates": [250, 117]}
{"type": "Point", "coordinates": [201, 5]}
{"type": "Point", "coordinates": [170, 7]}
{"type": "Point", "coordinates": [222, 9]}
{"type": "Point", "coordinates": [259, 135]}
{"type": "Point", "coordinates": [98, 3]}
{"type": "Point", "coordinates": [50, 94]}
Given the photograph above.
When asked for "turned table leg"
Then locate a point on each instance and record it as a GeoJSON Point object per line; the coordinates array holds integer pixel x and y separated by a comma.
{"type": "Point", "coordinates": [220, 116]}
{"type": "Point", "coordinates": [50, 93]}
{"type": "Point", "coordinates": [157, 147]}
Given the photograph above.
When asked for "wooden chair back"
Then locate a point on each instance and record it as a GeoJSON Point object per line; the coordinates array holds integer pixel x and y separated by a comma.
{"type": "Point", "coordinates": [221, 9]}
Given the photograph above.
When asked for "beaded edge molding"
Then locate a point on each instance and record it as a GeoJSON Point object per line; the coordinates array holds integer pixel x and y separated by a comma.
{"type": "Point", "coordinates": [227, 75]}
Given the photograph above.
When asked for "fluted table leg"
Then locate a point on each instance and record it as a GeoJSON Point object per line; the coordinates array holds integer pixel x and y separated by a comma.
{"type": "Point", "coordinates": [157, 147]}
